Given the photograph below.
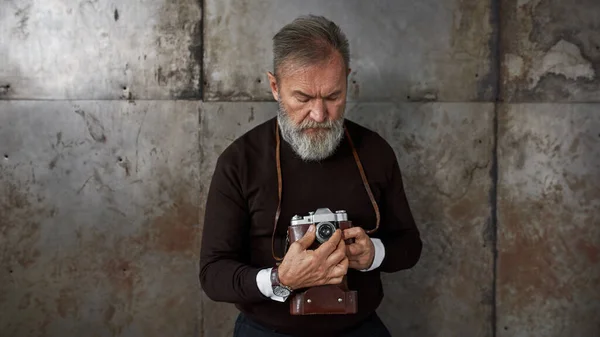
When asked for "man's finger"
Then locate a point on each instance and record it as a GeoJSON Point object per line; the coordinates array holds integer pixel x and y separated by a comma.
{"type": "Point", "coordinates": [354, 232]}
{"type": "Point", "coordinates": [345, 262]}
{"type": "Point", "coordinates": [336, 280]}
{"type": "Point", "coordinates": [330, 245]}
{"type": "Point", "coordinates": [335, 258]}
{"type": "Point", "coordinates": [341, 246]}
{"type": "Point", "coordinates": [344, 265]}
{"type": "Point", "coordinates": [337, 255]}
{"type": "Point", "coordinates": [354, 249]}
{"type": "Point", "coordinates": [308, 238]}
{"type": "Point", "coordinates": [354, 265]}
{"type": "Point", "coordinates": [340, 269]}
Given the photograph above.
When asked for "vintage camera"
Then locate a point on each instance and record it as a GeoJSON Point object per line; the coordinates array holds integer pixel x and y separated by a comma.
{"type": "Point", "coordinates": [326, 223]}
{"type": "Point", "coordinates": [325, 299]}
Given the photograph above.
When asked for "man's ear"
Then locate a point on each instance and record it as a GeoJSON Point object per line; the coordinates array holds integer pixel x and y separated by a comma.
{"type": "Point", "coordinates": [273, 85]}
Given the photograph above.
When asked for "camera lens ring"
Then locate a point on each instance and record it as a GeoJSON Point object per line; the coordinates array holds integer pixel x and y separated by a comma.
{"type": "Point", "coordinates": [324, 231]}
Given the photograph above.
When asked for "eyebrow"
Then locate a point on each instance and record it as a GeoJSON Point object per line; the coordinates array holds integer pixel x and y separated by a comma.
{"type": "Point", "coordinates": [298, 92]}
{"type": "Point", "coordinates": [335, 93]}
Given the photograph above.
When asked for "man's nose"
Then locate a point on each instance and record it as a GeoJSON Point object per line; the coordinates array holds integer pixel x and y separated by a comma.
{"type": "Point", "coordinates": [318, 111]}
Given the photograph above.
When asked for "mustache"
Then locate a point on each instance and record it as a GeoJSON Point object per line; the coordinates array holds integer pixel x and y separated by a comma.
{"type": "Point", "coordinates": [311, 124]}
{"type": "Point", "coordinates": [307, 123]}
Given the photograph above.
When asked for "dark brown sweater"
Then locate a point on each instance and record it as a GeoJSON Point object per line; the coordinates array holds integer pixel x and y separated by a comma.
{"type": "Point", "coordinates": [240, 211]}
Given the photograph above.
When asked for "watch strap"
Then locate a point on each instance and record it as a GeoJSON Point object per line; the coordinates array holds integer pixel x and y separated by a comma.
{"type": "Point", "coordinates": [275, 277]}
{"type": "Point", "coordinates": [275, 283]}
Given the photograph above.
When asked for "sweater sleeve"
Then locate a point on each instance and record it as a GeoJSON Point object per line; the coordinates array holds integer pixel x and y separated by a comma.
{"type": "Point", "coordinates": [398, 232]}
{"type": "Point", "coordinates": [225, 273]}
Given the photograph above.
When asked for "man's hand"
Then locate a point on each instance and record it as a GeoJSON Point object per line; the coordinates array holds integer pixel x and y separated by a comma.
{"type": "Point", "coordinates": [303, 268]}
{"type": "Point", "coordinates": [362, 252]}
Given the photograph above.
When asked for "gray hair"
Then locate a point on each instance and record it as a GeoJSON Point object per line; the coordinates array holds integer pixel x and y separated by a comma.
{"type": "Point", "coordinates": [307, 40]}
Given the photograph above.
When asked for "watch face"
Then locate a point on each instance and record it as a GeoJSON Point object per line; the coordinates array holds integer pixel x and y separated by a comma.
{"type": "Point", "coordinates": [281, 291]}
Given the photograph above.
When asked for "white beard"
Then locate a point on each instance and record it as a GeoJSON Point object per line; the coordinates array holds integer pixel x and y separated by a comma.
{"type": "Point", "coordinates": [311, 147]}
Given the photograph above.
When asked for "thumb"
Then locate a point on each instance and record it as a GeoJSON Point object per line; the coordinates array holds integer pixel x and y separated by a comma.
{"type": "Point", "coordinates": [308, 238]}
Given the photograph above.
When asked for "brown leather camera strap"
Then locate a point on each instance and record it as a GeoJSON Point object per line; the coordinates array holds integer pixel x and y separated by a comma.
{"type": "Point", "coordinates": [280, 186]}
{"type": "Point", "coordinates": [365, 183]}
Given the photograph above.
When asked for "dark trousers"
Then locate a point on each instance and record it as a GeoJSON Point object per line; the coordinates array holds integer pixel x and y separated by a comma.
{"type": "Point", "coordinates": [371, 327]}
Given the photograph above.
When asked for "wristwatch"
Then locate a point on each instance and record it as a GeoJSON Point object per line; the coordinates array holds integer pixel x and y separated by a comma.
{"type": "Point", "coordinates": [278, 288]}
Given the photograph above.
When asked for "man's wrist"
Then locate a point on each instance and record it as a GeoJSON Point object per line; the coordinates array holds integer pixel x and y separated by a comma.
{"type": "Point", "coordinates": [279, 289]}
{"type": "Point", "coordinates": [276, 276]}
{"type": "Point", "coordinates": [378, 255]}
{"type": "Point", "coordinates": [370, 265]}
{"type": "Point", "coordinates": [263, 281]}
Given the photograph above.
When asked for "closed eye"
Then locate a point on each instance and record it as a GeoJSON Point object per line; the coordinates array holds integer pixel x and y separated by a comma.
{"type": "Point", "coordinates": [333, 96]}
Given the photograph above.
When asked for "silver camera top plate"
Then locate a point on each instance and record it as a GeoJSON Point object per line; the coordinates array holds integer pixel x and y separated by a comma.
{"type": "Point", "coordinates": [320, 215]}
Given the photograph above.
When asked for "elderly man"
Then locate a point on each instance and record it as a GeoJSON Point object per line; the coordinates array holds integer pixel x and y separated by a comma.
{"type": "Point", "coordinates": [307, 159]}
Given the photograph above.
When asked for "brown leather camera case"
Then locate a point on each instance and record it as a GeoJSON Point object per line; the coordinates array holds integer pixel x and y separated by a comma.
{"type": "Point", "coordinates": [326, 299]}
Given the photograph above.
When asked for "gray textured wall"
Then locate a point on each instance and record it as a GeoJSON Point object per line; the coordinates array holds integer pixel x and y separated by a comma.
{"type": "Point", "coordinates": [112, 115]}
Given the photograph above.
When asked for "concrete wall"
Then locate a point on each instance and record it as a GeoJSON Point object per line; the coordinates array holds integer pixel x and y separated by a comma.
{"type": "Point", "coordinates": [112, 115]}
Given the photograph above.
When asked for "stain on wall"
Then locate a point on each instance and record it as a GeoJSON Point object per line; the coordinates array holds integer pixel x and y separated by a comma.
{"type": "Point", "coordinates": [551, 51]}
{"type": "Point", "coordinates": [549, 238]}
{"type": "Point", "coordinates": [99, 226]}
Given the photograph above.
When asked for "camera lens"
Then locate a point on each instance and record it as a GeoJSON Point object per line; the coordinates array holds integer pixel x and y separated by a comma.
{"type": "Point", "coordinates": [324, 231]}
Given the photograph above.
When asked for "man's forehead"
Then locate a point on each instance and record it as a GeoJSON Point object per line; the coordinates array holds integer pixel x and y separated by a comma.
{"type": "Point", "coordinates": [317, 86]}
{"type": "Point", "coordinates": [323, 75]}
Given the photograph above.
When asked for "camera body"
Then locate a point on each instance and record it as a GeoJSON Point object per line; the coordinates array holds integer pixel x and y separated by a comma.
{"type": "Point", "coordinates": [326, 223]}
{"type": "Point", "coordinates": [325, 299]}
